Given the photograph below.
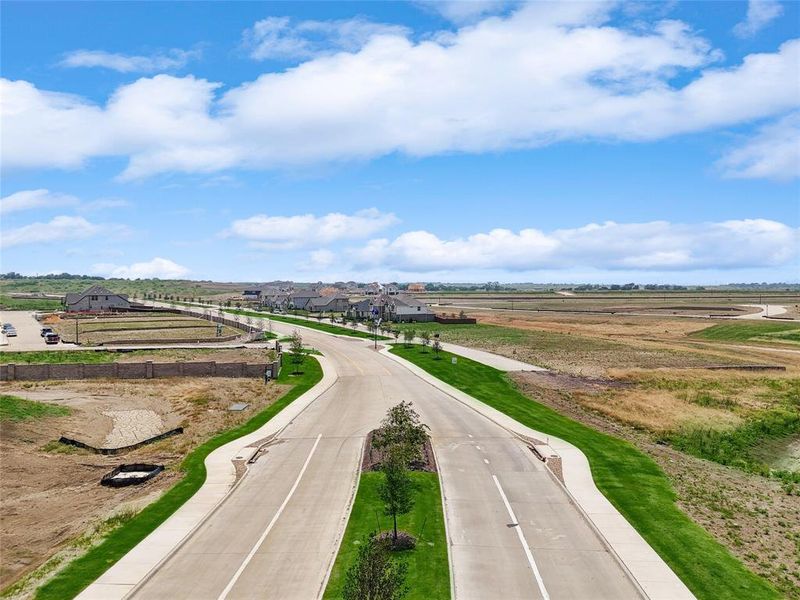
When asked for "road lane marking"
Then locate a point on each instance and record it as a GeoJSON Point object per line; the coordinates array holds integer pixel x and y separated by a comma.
{"type": "Point", "coordinates": [264, 535]}
{"type": "Point", "coordinates": [522, 540]}
{"type": "Point", "coordinates": [486, 461]}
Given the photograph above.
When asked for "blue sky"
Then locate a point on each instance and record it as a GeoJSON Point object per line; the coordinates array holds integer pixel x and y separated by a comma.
{"type": "Point", "coordinates": [449, 141]}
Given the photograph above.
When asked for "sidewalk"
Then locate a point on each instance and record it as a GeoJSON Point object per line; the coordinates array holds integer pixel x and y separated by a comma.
{"type": "Point", "coordinates": [645, 566]}
{"type": "Point", "coordinates": [133, 568]}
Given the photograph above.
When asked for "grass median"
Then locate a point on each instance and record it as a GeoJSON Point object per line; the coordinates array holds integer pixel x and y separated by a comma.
{"type": "Point", "coordinates": [84, 570]}
{"type": "Point", "coordinates": [428, 567]}
{"type": "Point", "coordinates": [318, 325]}
{"type": "Point", "coordinates": [631, 481]}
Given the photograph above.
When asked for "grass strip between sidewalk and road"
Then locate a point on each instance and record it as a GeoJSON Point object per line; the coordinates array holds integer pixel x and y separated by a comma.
{"type": "Point", "coordinates": [428, 566]}
{"type": "Point", "coordinates": [319, 325]}
{"type": "Point", "coordinates": [630, 480]}
{"type": "Point", "coordinates": [84, 570]}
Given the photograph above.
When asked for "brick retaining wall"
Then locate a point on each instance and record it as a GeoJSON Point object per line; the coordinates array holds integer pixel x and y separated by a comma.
{"type": "Point", "coordinates": [140, 370]}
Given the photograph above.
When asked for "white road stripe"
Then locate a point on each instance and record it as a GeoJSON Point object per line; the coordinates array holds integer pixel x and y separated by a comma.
{"type": "Point", "coordinates": [522, 540]}
{"type": "Point", "coordinates": [264, 535]}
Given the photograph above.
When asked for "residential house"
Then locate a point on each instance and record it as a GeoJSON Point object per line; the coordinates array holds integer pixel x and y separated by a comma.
{"type": "Point", "coordinates": [96, 299]}
{"type": "Point", "coordinates": [336, 304]}
{"type": "Point", "coordinates": [407, 309]}
{"type": "Point", "coordinates": [300, 300]}
{"type": "Point", "coordinates": [252, 295]}
{"type": "Point", "coordinates": [416, 288]}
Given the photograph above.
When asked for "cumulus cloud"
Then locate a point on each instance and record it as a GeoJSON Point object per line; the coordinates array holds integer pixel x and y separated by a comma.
{"type": "Point", "coordinates": [171, 60]}
{"type": "Point", "coordinates": [489, 86]}
{"type": "Point", "coordinates": [283, 38]}
{"type": "Point", "coordinates": [657, 245]}
{"type": "Point", "coordinates": [58, 229]}
{"type": "Point", "coordinates": [774, 152]}
{"type": "Point", "coordinates": [158, 268]}
{"type": "Point", "coordinates": [461, 11]}
{"type": "Point", "coordinates": [265, 231]}
{"type": "Point", "coordinates": [319, 260]}
{"type": "Point", "coordinates": [760, 13]}
{"type": "Point", "coordinates": [30, 199]}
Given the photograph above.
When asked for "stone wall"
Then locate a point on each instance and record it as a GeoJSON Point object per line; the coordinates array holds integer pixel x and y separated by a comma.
{"type": "Point", "coordinates": [137, 370]}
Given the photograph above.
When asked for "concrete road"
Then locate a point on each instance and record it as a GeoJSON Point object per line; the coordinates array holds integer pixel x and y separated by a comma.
{"type": "Point", "coordinates": [512, 531]}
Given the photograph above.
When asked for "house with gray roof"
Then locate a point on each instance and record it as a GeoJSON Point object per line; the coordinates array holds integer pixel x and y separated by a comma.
{"type": "Point", "coordinates": [96, 299]}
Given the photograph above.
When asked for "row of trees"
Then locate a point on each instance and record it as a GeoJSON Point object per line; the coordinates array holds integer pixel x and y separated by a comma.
{"type": "Point", "coordinates": [375, 574]}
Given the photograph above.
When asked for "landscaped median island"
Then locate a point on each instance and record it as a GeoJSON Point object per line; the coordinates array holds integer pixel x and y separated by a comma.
{"type": "Point", "coordinates": [630, 480]}
{"type": "Point", "coordinates": [85, 569]}
{"type": "Point", "coordinates": [395, 537]}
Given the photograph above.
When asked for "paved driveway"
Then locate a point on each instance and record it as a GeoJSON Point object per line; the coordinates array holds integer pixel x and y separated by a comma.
{"type": "Point", "coordinates": [28, 331]}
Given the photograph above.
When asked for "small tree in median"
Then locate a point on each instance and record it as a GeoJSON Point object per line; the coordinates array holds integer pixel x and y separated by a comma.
{"type": "Point", "coordinates": [426, 340]}
{"type": "Point", "coordinates": [408, 337]}
{"type": "Point", "coordinates": [401, 433]}
{"type": "Point", "coordinates": [396, 490]}
{"type": "Point", "coordinates": [437, 347]}
{"type": "Point", "coordinates": [375, 575]}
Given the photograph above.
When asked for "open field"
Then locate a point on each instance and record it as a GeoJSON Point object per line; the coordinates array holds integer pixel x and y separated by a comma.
{"type": "Point", "coordinates": [92, 331]}
{"type": "Point", "coordinates": [43, 304]}
{"type": "Point", "coordinates": [132, 287]}
{"type": "Point", "coordinates": [428, 567]}
{"type": "Point", "coordinates": [706, 566]}
{"type": "Point", "coordinates": [54, 505]}
{"type": "Point", "coordinates": [767, 332]}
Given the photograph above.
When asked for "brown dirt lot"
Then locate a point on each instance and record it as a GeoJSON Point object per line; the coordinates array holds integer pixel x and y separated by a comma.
{"type": "Point", "coordinates": [107, 329]}
{"type": "Point", "coordinates": [51, 492]}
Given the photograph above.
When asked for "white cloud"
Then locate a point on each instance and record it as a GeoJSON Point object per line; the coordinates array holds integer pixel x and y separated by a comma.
{"type": "Point", "coordinates": [171, 60]}
{"type": "Point", "coordinates": [774, 152]}
{"type": "Point", "coordinates": [464, 11]}
{"type": "Point", "coordinates": [319, 260]}
{"type": "Point", "coordinates": [281, 38]}
{"type": "Point", "coordinates": [158, 268]}
{"type": "Point", "coordinates": [58, 229]}
{"type": "Point", "coordinates": [491, 86]}
{"type": "Point", "coordinates": [657, 245]}
{"type": "Point", "coordinates": [30, 199]}
{"type": "Point", "coordinates": [264, 231]}
{"type": "Point", "coordinates": [760, 13]}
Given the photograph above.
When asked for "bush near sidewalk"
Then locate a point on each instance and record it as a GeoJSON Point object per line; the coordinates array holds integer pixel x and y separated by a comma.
{"type": "Point", "coordinates": [84, 570]}
{"type": "Point", "coordinates": [631, 481]}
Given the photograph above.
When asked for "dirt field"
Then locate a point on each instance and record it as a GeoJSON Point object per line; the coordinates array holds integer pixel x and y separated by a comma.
{"type": "Point", "coordinates": [51, 492]}
{"type": "Point", "coordinates": [145, 327]}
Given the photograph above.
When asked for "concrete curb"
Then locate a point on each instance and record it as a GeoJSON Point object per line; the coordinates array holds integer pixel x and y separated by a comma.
{"type": "Point", "coordinates": [648, 569]}
{"type": "Point", "coordinates": [135, 567]}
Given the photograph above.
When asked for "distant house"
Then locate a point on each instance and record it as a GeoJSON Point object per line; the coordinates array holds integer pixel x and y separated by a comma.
{"type": "Point", "coordinates": [406, 309]}
{"type": "Point", "coordinates": [299, 300]}
{"type": "Point", "coordinates": [416, 288]}
{"type": "Point", "coordinates": [96, 299]}
{"type": "Point", "coordinates": [337, 304]}
{"type": "Point", "coordinates": [251, 295]}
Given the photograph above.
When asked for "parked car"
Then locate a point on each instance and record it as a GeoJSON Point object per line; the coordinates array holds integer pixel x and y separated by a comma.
{"type": "Point", "coordinates": [46, 330]}
{"type": "Point", "coordinates": [7, 326]}
{"type": "Point", "coordinates": [51, 338]}
{"type": "Point", "coordinates": [10, 332]}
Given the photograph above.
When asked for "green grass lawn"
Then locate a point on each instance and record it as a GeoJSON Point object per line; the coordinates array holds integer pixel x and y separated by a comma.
{"type": "Point", "coordinates": [84, 570]}
{"type": "Point", "coordinates": [631, 481]}
{"type": "Point", "coordinates": [428, 567]}
{"type": "Point", "coordinates": [327, 327]}
{"type": "Point", "coordinates": [756, 331]}
{"type": "Point", "coordinates": [78, 356]}
{"type": "Point", "coordinates": [9, 303]}
{"type": "Point", "coordinates": [13, 408]}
